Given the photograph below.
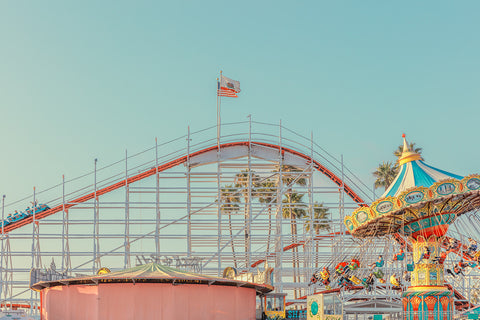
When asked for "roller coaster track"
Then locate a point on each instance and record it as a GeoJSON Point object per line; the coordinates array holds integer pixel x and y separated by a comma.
{"type": "Point", "coordinates": [279, 150]}
{"type": "Point", "coordinates": [182, 160]}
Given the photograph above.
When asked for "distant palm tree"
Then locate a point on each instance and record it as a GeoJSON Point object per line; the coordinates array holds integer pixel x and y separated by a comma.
{"type": "Point", "coordinates": [292, 176]}
{"type": "Point", "coordinates": [319, 222]}
{"type": "Point", "coordinates": [244, 180]}
{"type": "Point", "coordinates": [293, 208]}
{"type": "Point", "coordinates": [229, 203]}
{"type": "Point", "coordinates": [267, 193]}
{"type": "Point", "coordinates": [398, 153]}
{"type": "Point", "coordinates": [320, 218]}
{"type": "Point", "coordinates": [385, 174]}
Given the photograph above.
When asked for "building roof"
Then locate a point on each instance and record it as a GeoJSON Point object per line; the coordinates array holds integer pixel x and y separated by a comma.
{"type": "Point", "coordinates": [153, 273]}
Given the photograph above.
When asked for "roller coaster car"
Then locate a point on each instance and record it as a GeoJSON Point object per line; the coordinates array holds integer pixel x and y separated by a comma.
{"type": "Point", "coordinates": [17, 216]}
{"type": "Point", "coordinates": [41, 208]}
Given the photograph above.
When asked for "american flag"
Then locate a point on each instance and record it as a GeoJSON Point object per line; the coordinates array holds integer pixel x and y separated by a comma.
{"type": "Point", "coordinates": [225, 92]}
{"type": "Point", "coordinates": [227, 87]}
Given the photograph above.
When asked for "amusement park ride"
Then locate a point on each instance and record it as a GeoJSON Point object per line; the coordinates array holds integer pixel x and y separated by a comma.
{"type": "Point", "coordinates": [253, 200]}
{"type": "Point", "coordinates": [420, 204]}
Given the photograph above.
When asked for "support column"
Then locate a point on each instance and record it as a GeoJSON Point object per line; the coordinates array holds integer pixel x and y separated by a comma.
{"type": "Point", "coordinates": [278, 221]}
{"type": "Point", "coordinates": [7, 275]}
{"type": "Point", "coordinates": [127, 217]}
{"type": "Point", "coordinates": [96, 231]}
{"type": "Point", "coordinates": [248, 218]}
{"type": "Point", "coordinates": [189, 199]}
{"type": "Point", "coordinates": [311, 263]}
{"type": "Point", "coordinates": [157, 206]}
{"type": "Point", "coordinates": [219, 212]}
{"type": "Point", "coordinates": [66, 262]}
{"type": "Point", "coordinates": [428, 298]}
{"type": "Point", "coordinates": [5, 264]}
{"type": "Point", "coordinates": [36, 255]}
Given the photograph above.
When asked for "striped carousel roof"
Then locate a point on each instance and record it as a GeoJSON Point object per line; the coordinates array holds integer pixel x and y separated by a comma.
{"type": "Point", "coordinates": [153, 272]}
{"type": "Point", "coordinates": [414, 172]}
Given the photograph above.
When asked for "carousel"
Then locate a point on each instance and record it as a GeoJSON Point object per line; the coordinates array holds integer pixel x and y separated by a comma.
{"type": "Point", "coordinates": [418, 208]}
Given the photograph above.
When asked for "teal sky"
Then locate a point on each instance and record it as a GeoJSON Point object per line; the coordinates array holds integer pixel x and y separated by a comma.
{"type": "Point", "coordinates": [89, 79]}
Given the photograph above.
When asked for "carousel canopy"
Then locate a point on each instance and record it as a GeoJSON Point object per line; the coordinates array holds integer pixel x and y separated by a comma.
{"type": "Point", "coordinates": [413, 172]}
{"type": "Point", "coordinates": [156, 273]}
{"type": "Point", "coordinates": [421, 200]}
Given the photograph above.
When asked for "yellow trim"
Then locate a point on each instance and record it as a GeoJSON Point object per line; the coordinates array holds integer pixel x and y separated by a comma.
{"type": "Point", "coordinates": [417, 209]}
{"type": "Point", "coordinates": [103, 271]}
{"type": "Point", "coordinates": [273, 314]}
{"type": "Point", "coordinates": [408, 157]}
{"type": "Point", "coordinates": [352, 221]}
{"type": "Point", "coordinates": [404, 203]}
{"type": "Point", "coordinates": [407, 154]}
{"type": "Point", "coordinates": [375, 203]}
{"type": "Point", "coordinates": [364, 210]}
{"type": "Point", "coordinates": [428, 288]}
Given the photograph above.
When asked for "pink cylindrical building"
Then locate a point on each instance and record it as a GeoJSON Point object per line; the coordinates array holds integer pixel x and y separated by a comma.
{"type": "Point", "coordinates": [151, 291]}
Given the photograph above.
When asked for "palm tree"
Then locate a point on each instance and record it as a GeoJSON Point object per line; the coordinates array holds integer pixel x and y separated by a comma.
{"type": "Point", "coordinates": [267, 193]}
{"type": "Point", "coordinates": [245, 180]}
{"type": "Point", "coordinates": [229, 203]}
{"type": "Point", "coordinates": [293, 208]}
{"type": "Point", "coordinates": [291, 174]}
{"type": "Point", "coordinates": [320, 218]}
{"type": "Point", "coordinates": [385, 174]}
{"type": "Point", "coordinates": [398, 153]}
{"type": "Point", "coordinates": [319, 222]}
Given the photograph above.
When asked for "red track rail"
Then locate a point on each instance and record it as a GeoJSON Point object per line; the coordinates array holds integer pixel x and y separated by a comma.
{"type": "Point", "coordinates": [294, 245]}
{"type": "Point", "coordinates": [175, 163]}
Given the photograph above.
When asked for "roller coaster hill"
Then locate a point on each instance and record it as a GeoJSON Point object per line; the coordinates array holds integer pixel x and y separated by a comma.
{"type": "Point", "coordinates": [258, 196]}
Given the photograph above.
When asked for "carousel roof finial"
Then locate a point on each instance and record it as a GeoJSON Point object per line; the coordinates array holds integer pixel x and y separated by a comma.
{"type": "Point", "coordinates": [407, 154]}
{"type": "Point", "coordinates": [405, 144]}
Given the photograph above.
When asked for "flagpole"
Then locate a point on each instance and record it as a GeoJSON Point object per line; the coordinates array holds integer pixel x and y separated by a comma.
{"type": "Point", "coordinates": [219, 101]}
{"type": "Point", "coordinates": [219, 213]}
